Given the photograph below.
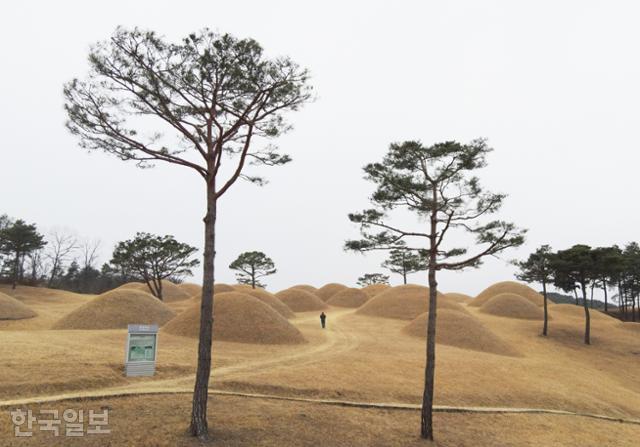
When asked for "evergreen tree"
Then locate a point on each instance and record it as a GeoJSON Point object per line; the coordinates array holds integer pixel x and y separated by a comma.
{"type": "Point", "coordinates": [576, 267]}
{"type": "Point", "coordinates": [608, 262]}
{"type": "Point", "coordinates": [251, 266]}
{"type": "Point", "coordinates": [537, 268]}
{"type": "Point", "coordinates": [370, 279]}
{"type": "Point", "coordinates": [405, 262]}
{"type": "Point", "coordinates": [436, 184]}
{"type": "Point", "coordinates": [210, 103]}
{"type": "Point", "coordinates": [19, 240]}
{"type": "Point", "coordinates": [154, 258]}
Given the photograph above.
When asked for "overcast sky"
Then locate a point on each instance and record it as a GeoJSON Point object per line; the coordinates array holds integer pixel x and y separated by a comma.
{"type": "Point", "coordinates": [554, 86]}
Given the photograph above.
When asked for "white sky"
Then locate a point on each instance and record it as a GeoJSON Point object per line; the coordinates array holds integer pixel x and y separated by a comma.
{"type": "Point", "coordinates": [555, 86]}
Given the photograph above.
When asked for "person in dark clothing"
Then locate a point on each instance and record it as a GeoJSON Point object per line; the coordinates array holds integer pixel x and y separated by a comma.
{"type": "Point", "coordinates": [323, 319]}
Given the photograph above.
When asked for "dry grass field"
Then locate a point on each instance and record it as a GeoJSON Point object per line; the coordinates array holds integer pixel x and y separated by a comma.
{"type": "Point", "coordinates": [370, 354]}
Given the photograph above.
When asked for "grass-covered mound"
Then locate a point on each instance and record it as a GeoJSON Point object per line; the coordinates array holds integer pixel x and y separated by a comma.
{"type": "Point", "coordinates": [299, 300]}
{"type": "Point", "coordinates": [461, 330]}
{"type": "Point", "coordinates": [271, 300]}
{"type": "Point", "coordinates": [374, 289]}
{"type": "Point", "coordinates": [222, 288]}
{"type": "Point", "coordinates": [117, 309]}
{"type": "Point", "coordinates": [12, 309]}
{"type": "Point", "coordinates": [508, 287]}
{"type": "Point", "coordinates": [577, 312]}
{"type": "Point", "coordinates": [327, 291]}
{"type": "Point", "coordinates": [191, 289]}
{"type": "Point", "coordinates": [512, 306]}
{"type": "Point", "coordinates": [240, 318]}
{"type": "Point", "coordinates": [306, 287]}
{"type": "Point", "coordinates": [170, 291]}
{"type": "Point", "coordinates": [458, 297]}
{"type": "Point", "coordinates": [349, 298]}
{"type": "Point", "coordinates": [404, 302]}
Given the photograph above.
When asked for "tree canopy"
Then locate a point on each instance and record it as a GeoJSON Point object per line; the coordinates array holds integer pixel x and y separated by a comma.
{"type": "Point", "coordinates": [369, 279]}
{"type": "Point", "coordinates": [432, 181]}
{"type": "Point", "coordinates": [154, 258]}
{"type": "Point", "coordinates": [405, 262]}
{"type": "Point", "coordinates": [17, 240]}
{"type": "Point", "coordinates": [251, 266]}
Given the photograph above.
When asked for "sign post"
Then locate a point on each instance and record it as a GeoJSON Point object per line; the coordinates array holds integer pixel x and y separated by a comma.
{"type": "Point", "coordinates": [141, 349]}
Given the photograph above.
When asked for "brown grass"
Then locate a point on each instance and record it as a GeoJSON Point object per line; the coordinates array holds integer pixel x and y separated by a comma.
{"type": "Point", "coordinates": [508, 287]}
{"type": "Point", "coordinates": [173, 292]}
{"type": "Point", "coordinates": [454, 328]}
{"type": "Point", "coordinates": [191, 289]}
{"type": "Point", "coordinates": [49, 304]}
{"type": "Point", "coordinates": [241, 318]}
{"type": "Point", "coordinates": [374, 289]}
{"type": "Point", "coordinates": [222, 288]}
{"type": "Point", "coordinates": [244, 287]}
{"type": "Point", "coordinates": [404, 302]}
{"type": "Point", "coordinates": [271, 300]}
{"type": "Point", "coordinates": [512, 306]}
{"type": "Point", "coordinates": [245, 422]}
{"type": "Point", "coordinates": [299, 300]}
{"type": "Point", "coordinates": [115, 310]}
{"type": "Point", "coordinates": [458, 297]}
{"type": "Point", "coordinates": [12, 309]}
{"type": "Point", "coordinates": [631, 326]}
{"type": "Point", "coordinates": [328, 290]}
{"type": "Point", "coordinates": [349, 298]}
{"type": "Point", "coordinates": [356, 358]}
{"type": "Point", "coordinates": [573, 311]}
{"type": "Point", "coordinates": [306, 287]}
{"type": "Point", "coordinates": [170, 291]}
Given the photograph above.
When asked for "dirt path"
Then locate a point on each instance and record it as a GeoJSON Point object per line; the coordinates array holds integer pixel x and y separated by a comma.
{"type": "Point", "coordinates": [99, 394]}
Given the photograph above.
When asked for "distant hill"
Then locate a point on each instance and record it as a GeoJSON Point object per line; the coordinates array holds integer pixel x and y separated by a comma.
{"type": "Point", "coordinates": [559, 298]}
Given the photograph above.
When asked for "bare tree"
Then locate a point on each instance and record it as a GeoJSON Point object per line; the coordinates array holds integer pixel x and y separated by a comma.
{"type": "Point", "coordinates": [89, 253]}
{"type": "Point", "coordinates": [37, 265]}
{"type": "Point", "coordinates": [62, 245]}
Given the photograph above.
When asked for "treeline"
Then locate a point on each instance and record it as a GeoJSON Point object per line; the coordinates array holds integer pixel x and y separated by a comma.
{"type": "Point", "coordinates": [61, 260]}
{"type": "Point", "coordinates": [581, 269]}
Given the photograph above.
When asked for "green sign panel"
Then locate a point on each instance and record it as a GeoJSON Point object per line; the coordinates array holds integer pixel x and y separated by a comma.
{"type": "Point", "coordinates": [142, 347]}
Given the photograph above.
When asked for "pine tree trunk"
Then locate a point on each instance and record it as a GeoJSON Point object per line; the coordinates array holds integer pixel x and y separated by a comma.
{"type": "Point", "coordinates": [606, 301]}
{"type": "Point", "coordinates": [199, 426]}
{"type": "Point", "coordinates": [622, 303]}
{"type": "Point", "coordinates": [404, 270]}
{"type": "Point", "coordinates": [426, 416]}
{"type": "Point", "coordinates": [253, 278]}
{"type": "Point", "coordinates": [429, 378]}
{"type": "Point", "coordinates": [16, 268]}
{"type": "Point", "coordinates": [575, 293]}
{"type": "Point", "coordinates": [546, 315]}
{"type": "Point", "coordinates": [587, 317]}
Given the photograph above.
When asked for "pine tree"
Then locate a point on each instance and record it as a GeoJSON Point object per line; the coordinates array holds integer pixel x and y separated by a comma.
{"type": "Point", "coordinates": [436, 184]}
{"type": "Point", "coordinates": [251, 266]}
{"type": "Point", "coordinates": [537, 268]}
{"type": "Point", "coordinates": [209, 103]}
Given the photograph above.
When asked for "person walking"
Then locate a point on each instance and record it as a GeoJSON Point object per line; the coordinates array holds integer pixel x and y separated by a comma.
{"type": "Point", "coordinates": [323, 319]}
